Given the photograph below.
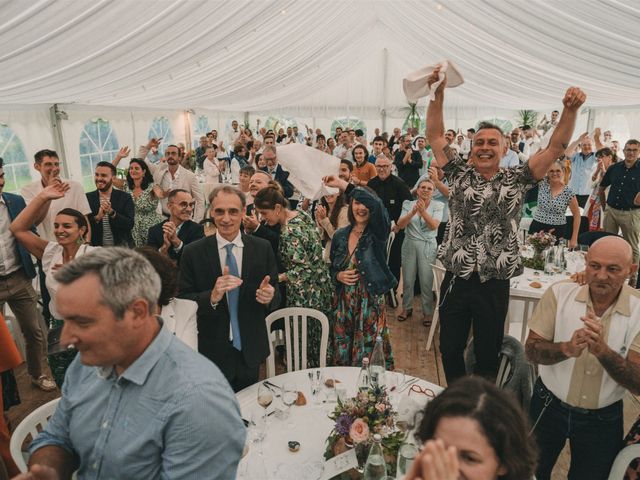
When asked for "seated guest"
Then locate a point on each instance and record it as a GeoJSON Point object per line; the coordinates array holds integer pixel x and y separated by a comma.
{"type": "Point", "coordinates": [586, 342]}
{"type": "Point", "coordinates": [178, 315]}
{"type": "Point", "coordinates": [473, 430]}
{"type": "Point", "coordinates": [128, 417]}
{"type": "Point", "coordinates": [112, 214]}
{"type": "Point", "coordinates": [171, 235]}
{"type": "Point", "coordinates": [234, 291]}
{"type": "Point", "coordinates": [553, 199]}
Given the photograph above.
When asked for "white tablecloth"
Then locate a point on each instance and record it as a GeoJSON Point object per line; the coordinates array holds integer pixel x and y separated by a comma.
{"type": "Point", "coordinates": [311, 426]}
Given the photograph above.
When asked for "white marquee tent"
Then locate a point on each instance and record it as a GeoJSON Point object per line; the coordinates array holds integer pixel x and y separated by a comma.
{"type": "Point", "coordinates": [123, 70]}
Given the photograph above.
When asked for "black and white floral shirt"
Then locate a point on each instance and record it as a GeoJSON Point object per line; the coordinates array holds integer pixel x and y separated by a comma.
{"type": "Point", "coordinates": [484, 216]}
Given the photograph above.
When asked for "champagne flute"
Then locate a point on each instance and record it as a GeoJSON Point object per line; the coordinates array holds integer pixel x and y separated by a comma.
{"type": "Point", "coordinates": [265, 397]}
{"type": "Point", "coordinates": [289, 397]}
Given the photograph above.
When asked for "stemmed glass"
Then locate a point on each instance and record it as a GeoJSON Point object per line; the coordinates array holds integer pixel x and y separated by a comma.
{"type": "Point", "coordinates": [265, 398]}
{"type": "Point", "coordinates": [289, 397]}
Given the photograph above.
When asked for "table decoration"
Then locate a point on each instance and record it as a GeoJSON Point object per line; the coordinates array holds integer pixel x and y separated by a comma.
{"type": "Point", "coordinates": [357, 420]}
{"type": "Point", "coordinates": [539, 241]}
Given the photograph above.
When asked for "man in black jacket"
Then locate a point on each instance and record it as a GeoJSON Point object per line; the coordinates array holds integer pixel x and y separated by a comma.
{"type": "Point", "coordinates": [232, 278]}
{"type": "Point", "coordinates": [276, 171]}
{"type": "Point", "coordinates": [170, 236]}
{"type": "Point", "coordinates": [112, 210]}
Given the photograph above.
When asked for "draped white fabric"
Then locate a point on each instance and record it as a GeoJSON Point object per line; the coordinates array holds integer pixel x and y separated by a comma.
{"type": "Point", "coordinates": [300, 54]}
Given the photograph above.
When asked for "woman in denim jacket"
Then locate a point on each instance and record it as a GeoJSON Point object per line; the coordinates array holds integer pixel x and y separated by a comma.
{"type": "Point", "coordinates": [362, 278]}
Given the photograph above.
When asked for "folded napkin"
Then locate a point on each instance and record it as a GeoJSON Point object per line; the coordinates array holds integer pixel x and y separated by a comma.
{"type": "Point", "coordinates": [306, 167]}
{"type": "Point", "coordinates": [416, 86]}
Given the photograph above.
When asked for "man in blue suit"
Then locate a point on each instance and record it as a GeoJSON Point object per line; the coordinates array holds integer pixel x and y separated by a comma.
{"type": "Point", "coordinates": [16, 272]}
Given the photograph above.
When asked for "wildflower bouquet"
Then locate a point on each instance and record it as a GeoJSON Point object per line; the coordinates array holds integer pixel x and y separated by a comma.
{"type": "Point", "coordinates": [357, 420]}
{"type": "Point", "coordinates": [539, 241]}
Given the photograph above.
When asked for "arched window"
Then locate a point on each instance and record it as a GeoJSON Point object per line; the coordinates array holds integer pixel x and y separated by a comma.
{"type": "Point", "coordinates": [161, 128]}
{"type": "Point", "coordinates": [16, 165]}
{"type": "Point", "coordinates": [276, 122]}
{"type": "Point", "coordinates": [200, 129]}
{"type": "Point", "coordinates": [345, 123]}
{"type": "Point", "coordinates": [98, 143]}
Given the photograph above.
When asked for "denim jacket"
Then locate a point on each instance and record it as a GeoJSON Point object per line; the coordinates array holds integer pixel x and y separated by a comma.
{"type": "Point", "coordinates": [371, 251]}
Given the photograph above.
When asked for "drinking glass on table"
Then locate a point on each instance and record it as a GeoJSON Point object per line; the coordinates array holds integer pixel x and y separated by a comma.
{"type": "Point", "coordinates": [289, 397]}
{"type": "Point", "coordinates": [406, 454]}
{"type": "Point", "coordinates": [257, 427]}
{"type": "Point", "coordinates": [265, 397]}
{"type": "Point", "coordinates": [395, 381]}
{"type": "Point", "coordinates": [329, 386]}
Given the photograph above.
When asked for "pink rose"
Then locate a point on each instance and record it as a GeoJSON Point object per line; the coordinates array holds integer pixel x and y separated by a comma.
{"type": "Point", "coordinates": [359, 431]}
{"type": "Point", "coordinates": [381, 407]}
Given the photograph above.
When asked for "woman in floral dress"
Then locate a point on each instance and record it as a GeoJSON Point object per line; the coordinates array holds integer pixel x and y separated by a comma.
{"type": "Point", "coordinates": [139, 184]}
{"type": "Point", "coordinates": [362, 278]}
{"type": "Point", "coordinates": [306, 275]}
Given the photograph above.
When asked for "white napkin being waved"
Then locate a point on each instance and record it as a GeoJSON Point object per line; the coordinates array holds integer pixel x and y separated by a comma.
{"type": "Point", "coordinates": [307, 166]}
{"type": "Point", "coordinates": [416, 86]}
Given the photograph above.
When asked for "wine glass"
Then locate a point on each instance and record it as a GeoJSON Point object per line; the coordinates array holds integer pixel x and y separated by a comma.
{"type": "Point", "coordinates": [265, 397]}
{"type": "Point", "coordinates": [289, 397]}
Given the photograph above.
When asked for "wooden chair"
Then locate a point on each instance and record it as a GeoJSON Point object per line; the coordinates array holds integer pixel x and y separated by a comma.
{"type": "Point", "coordinates": [438, 275]}
{"type": "Point", "coordinates": [296, 321]}
{"type": "Point", "coordinates": [29, 426]}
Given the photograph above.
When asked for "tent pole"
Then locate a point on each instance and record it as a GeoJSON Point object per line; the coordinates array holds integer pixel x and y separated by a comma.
{"type": "Point", "coordinates": [187, 129]}
{"type": "Point", "coordinates": [385, 64]}
{"type": "Point", "coordinates": [56, 115]}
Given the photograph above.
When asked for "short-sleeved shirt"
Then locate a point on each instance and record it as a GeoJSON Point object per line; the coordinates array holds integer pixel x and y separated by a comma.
{"type": "Point", "coordinates": [417, 228]}
{"type": "Point", "coordinates": [552, 210]}
{"type": "Point", "coordinates": [581, 170]}
{"type": "Point", "coordinates": [364, 173]}
{"type": "Point", "coordinates": [625, 185]}
{"type": "Point", "coordinates": [74, 198]}
{"type": "Point", "coordinates": [484, 215]}
{"type": "Point", "coordinates": [170, 414]}
{"type": "Point", "coordinates": [583, 382]}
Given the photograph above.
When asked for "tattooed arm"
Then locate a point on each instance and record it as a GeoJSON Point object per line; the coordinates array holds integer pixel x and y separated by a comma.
{"type": "Point", "coordinates": [546, 352]}
{"type": "Point", "coordinates": [625, 371]}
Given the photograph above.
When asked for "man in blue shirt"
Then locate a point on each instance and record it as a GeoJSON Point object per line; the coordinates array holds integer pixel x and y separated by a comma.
{"type": "Point", "coordinates": [136, 401]}
{"type": "Point", "coordinates": [582, 165]}
{"type": "Point", "coordinates": [622, 209]}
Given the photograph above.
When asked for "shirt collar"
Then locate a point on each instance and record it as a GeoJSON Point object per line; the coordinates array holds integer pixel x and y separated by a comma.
{"type": "Point", "coordinates": [622, 305]}
{"type": "Point", "coordinates": [222, 242]}
{"type": "Point", "coordinates": [139, 370]}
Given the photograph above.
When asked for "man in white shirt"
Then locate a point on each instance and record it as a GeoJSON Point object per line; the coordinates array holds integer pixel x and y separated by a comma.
{"type": "Point", "coordinates": [233, 135]}
{"type": "Point", "coordinates": [531, 141]}
{"type": "Point", "coordinates": [343, 149]}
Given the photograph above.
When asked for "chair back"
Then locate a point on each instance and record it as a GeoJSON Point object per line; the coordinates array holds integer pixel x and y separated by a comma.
{"type": "Point", "coordinates": [438, 275]}
{"type": "Point", "coordinates": [296, 321]}
{"type": "Point", "coordinates": [392, 237]}
{"type": "Point", "coordinates": [33, 424]}
{"type": "Point", "coordinates": [622, 461]}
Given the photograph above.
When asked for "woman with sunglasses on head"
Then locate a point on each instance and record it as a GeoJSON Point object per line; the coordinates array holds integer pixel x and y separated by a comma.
{"type": "Point", "coordinates": [139, 184]}
{"type": "Point", "coordinates": [553, 199]}
{"type": "Point", "coordinates": [70, 228]}
{"type": "Point", "coordinates": [474, 431]}
{"type": "Point", "coordinates": [359, 271]}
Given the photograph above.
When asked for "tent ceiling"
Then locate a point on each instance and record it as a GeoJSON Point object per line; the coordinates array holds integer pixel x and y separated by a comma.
{"type": "Point", "coordinates": [262, 55]}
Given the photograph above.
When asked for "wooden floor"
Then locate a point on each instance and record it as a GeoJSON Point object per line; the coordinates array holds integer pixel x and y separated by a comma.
{"type": "Point", "coordinates": [408, 341]}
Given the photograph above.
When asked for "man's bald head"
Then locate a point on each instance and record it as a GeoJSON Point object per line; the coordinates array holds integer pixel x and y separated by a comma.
{"type": "Point", "coordinates": [609, 266]}
{"type": "Point", "coordinates": [614, 245]}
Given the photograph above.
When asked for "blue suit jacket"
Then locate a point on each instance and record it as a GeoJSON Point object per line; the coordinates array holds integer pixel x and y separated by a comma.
{"type": "Point", "coordinates": [15, 204]}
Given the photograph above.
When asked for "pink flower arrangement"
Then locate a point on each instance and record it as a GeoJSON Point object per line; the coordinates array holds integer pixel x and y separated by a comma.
{"type": "Point", "coordinates": [359, 431]}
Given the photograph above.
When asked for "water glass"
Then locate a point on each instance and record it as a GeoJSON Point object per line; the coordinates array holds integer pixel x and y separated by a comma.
{"type": "Point", "coordinates": [289, 397]}
{"type": "Point", "coordinates": [257, 427]}
{"type": "Point", "coordinates": [329, 386]}
{"type": "Point", "coordinates": [406, 454]}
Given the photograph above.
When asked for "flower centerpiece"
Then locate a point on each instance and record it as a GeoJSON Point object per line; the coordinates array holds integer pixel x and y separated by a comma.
{"type": "Point", "coordinates": [356, 421]}
{"type": "Point", "coordinates": [539, 241]}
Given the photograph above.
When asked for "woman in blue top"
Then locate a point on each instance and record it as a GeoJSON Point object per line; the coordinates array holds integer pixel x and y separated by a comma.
{"type": "Point", "coordinates": [553, 199]}
{"type": "Point", "coordinates": [362, 278]}
{"type": "Point", "coordinates": [421, 219]}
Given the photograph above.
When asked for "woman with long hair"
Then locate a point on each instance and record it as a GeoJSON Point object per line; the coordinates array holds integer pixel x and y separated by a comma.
{"type": "Point", "coordinates": [331, 214]}
{"type": "Point", "coordinates": [70, 228]}
{"type": "Point", "coordinates": [299, 248]}
{"type": "Point", "coordinates": [421, 219]}
{"type": "Point", "coordinates": [139, 183]}
{"type": "Point", "coordinates": [361, 276]}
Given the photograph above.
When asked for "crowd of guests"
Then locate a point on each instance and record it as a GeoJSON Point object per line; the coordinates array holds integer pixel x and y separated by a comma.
{"type": "Point", "coordinates": [213, 268]}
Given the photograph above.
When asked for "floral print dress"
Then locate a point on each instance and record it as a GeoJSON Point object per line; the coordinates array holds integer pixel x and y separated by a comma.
{"type": "Point", "coordinates": [309, 283]}
{"type": "Point", "coordinates": [146, 214]}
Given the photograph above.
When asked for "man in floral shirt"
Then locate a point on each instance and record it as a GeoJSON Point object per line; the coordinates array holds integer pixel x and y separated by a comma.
{"type": "Point", "coordinates": [480, 250]}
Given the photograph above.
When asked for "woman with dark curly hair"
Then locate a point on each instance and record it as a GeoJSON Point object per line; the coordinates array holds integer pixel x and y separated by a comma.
{"type": "Point", "coordinates": [474, 431]}
{"type": "Point", "coordinates": [139, 184]}
{"type": "Point", "coordinates": [178, 314]}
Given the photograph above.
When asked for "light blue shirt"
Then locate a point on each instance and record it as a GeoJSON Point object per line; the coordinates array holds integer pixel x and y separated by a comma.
{"type": "Point", "coordinates": [170, 415]}
{"type": "Point", "coordinates": [417, 228]}
{"type": "Point", "coordinates": [437, 197]}
{"type": "Point", "coordinates": [510, 160]}
{"type": "Point", "coordinates": [581, 169]}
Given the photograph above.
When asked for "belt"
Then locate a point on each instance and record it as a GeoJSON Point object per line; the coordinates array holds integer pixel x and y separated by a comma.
{"type": "Point", "coordinates": [4, 277]}
{"type": "Point", "coordinates": [583, 411]}
{"type": "Point", "coordinates": [624, 209]}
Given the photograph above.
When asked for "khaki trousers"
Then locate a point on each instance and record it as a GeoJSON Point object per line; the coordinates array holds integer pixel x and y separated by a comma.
{"type": "Point", "coordinates": [628, 222]}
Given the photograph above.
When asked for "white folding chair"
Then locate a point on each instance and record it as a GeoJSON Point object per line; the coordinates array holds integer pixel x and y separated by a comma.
{"type": "Point", "coordinates": [392, 237]}
{"type": "Point", "coordinates": [296, 320]}
{"type": "Point", "coordinates": [29, 426]}
{"type": "Point", "coordinates": [622, 461]}
{"type": "Point", "coordinates": [438, 275]}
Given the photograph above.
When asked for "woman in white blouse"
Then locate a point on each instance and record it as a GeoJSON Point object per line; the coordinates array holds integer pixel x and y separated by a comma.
{"type": "Point", "coordinates": [178, 315]}
{"type": "Point", "coordinates": [211, 166]}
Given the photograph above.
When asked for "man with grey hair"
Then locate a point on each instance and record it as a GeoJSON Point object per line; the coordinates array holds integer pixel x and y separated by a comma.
{"type": "Point", "coordinates": [136, 401]}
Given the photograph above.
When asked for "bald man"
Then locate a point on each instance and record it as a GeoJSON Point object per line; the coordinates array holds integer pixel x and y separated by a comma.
{"type": "Point", "coordinates": [586, 341]}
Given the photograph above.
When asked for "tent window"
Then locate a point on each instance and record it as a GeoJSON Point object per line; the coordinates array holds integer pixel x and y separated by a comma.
{"type": "Point", "coordinates": [276, 122]}
{"type": "Point", "coordinates": [16, 166]}
{"type": "Point", "coordinates": [161, 128]}
{"type": "Point", "coordinates": [348, 122]}
{"type": "Point", "coordinates": [98, 142]}
{"type": "Point", "coordinates": [200, 129]}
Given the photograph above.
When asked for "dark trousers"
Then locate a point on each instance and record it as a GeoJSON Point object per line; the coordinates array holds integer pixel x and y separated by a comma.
{"type": "Point", "coordinates": [595, 436]}
{"type": "Point", "coordinates": [466, 303]}
{"type": "Point", "coordinates": [558, 230]}
{"type": "Point", "coordinates": [238, 373]}
{"type": "Point", "coordinates": [582, 200]}
{"type": "Point", "coordinates": [441, 229]}
{"type": "Point", "coordinates": [395, 255]}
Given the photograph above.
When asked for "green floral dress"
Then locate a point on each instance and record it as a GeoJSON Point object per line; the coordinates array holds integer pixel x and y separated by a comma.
{"type": "Point", "coordinates": [146, 214]}
{"type": "Point", "coordinates": [309, 282]}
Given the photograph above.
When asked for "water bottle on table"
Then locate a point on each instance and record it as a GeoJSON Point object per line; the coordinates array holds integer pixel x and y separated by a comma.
{"type": "Point", "coordinates": [376, 467]}
{"type": "Point", "coordinates": [364, 382]}
{"type": "Point", "coordinates": [377, 364]}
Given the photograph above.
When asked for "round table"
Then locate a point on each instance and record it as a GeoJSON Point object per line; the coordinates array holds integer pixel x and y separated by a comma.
{"type": "Point", "coordinates": [311, 425]}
